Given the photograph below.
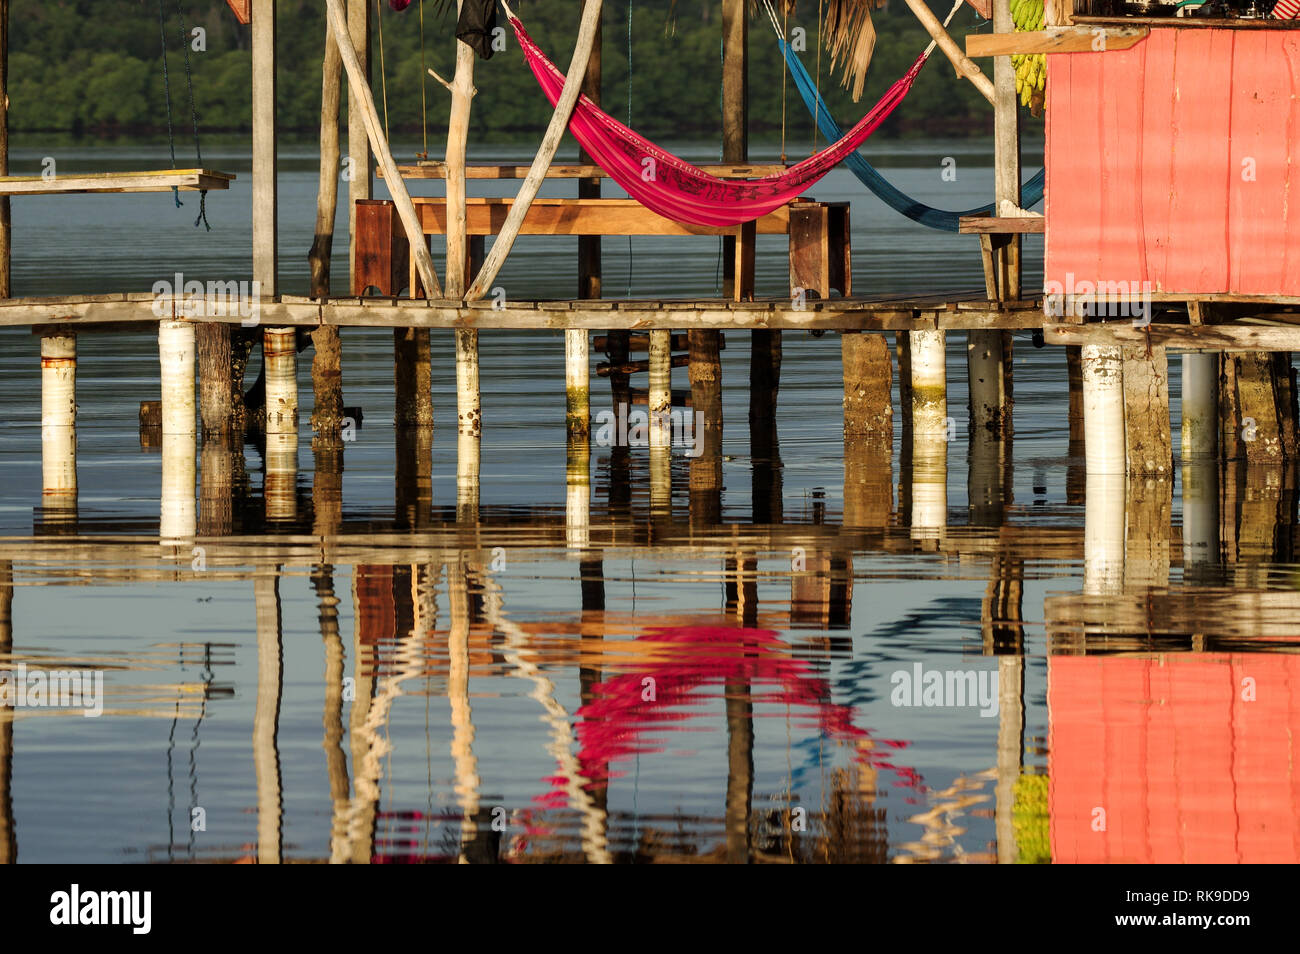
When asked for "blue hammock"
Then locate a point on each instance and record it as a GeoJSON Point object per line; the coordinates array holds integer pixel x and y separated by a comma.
{"type": "Point", "coordinates": [1031, 192]}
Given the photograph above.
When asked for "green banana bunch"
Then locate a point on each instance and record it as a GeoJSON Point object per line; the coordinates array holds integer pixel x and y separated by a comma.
{"type": "Point", "coordinates": [1031, 68]}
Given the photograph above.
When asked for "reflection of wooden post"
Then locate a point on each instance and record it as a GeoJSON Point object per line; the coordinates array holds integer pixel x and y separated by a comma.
{"type": "Point", "coordinates": [706, 405]}
{"type": "Point", "coordinates": [577, 498]}
{"type": "Point", "coordinates": [414, 477]}
{"type": "Point", "coordinates": [740, 770]}
{"type": "Point", "coordinates": [1011, 748]}
{"type": "Point", "coordinates": [929, 394]}
{"type": "Point", "coordinates": [5, 227]}
{"type": "Point", "coordinates": [8, 833]}
{"type": "Point", "coordinates": [361, 826]}
{"type": "Point", "coordinates": [360, 164]}
{"type": "Point", "coordinates": [336, 763]}
{"type": "Point", "coordinates": [266, 716]}
{"type": "Point", "coordinates": [462, 719]}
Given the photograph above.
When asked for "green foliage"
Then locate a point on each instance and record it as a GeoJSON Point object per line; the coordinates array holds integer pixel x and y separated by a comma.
{"type": "Point", "coordinates": [95, 67]}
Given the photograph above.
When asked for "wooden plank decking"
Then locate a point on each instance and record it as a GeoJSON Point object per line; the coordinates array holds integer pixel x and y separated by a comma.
{"type": "Point", "coordinates": [164, 180]}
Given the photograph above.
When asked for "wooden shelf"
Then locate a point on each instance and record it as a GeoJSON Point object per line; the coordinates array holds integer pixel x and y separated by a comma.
{"type": "Point", "coordinates": [187, 180]}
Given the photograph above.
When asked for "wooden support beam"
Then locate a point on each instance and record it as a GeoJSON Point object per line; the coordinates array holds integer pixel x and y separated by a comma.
{"type": "Point", "coordinates": [360, 90]}
{"type": "Point", "coordinates": [266, 223]}
{"type": "Point", "coordinates": [1234, 337]}
{"type": "Point", "coordinates": [1076, 39]}
{"type": "Point", "coordinates": [545, 153]}
{"type": "Point", "coordinates": [589, 263]}
{"type": "Point", "coordinates": [326, 365]}
{"type": "Point", "coordinates": [964, 65]}
{"type": "Point", "coordinates": [360, 167]}
{"type": "Point", "coordinates": [162, 180]}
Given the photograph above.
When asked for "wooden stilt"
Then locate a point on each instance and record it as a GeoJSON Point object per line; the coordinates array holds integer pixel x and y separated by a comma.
{"type": "Point", "coordinates": [577, 381]}
{"type": "Point", "coordinates": [326, 365]}
{"type": "Point", "coordinates": [266, 716]}
{"type": "Point", "coordinates": [1257, 400]}
{"type": "Point", "coordinates": [868, 430]}
{"type": "Point", "coordinates": [59, 425]}
{"type": "Point", "coordinates": [1075, 480]}
{"type": "Point", "coordinates": [467, 477]}
{"type": "Point", "coordinates": [706, 404]}
{"type": "Point", "coordinates": [1103, 410]}
{"type": "Point", "coordinates": [1200, 405]}
{"type": "Point", "coordinates": [1232, 444]}
{"type": "Point", "coordinates": [217, 392]}
{"type": "Point", "coordinates": [462, 92]}
{"type": "Point", "coordinates": [1149, 446]}
{"type": "Point", "coordinates": [661, 387]}
{"type": "Point", "coordinates": [176, 353]}
{"type": "Point", "coordinates": [280, 354]}
{"type": "Point", "coordinates": [589, 263]}
{"type": "Point", "coordinates": [990, 384]}
{"type": "Point", "coordinates": [929, 393]}
{"type": "Point", "coordinates": [764, 443]}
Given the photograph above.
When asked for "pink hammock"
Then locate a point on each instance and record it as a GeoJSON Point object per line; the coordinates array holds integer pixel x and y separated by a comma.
{"type": "Point", "coordinates": [678, 190]}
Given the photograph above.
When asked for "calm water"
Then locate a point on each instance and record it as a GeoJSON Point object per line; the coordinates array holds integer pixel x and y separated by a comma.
{"type": "Point", "coordinates": [680, 679]}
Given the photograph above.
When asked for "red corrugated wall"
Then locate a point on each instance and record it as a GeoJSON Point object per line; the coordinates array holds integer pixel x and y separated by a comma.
{"type": "Point", "coordinates": [1145, 153]}
{"type": "Point", "coordinates": [1184, 767]}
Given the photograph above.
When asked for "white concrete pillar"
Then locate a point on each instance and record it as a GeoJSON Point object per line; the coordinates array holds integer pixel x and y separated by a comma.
{"type": "Point", "coordinates": [1200, 438]}
{"type": "Point", "coordinates": [1103, 410]}
{"type": "Point", "coordinates": [59, 423]}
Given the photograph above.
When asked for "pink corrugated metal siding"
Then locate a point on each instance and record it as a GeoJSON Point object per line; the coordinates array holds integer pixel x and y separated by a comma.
{"type": "Point", "coordinates": [1146, 150]}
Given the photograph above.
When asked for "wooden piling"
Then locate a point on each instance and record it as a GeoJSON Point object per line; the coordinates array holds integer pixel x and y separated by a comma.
{"type": "Point", "coordinates": [706, 404]}
{"type": "Point", "coordinates": [1148, 443]}
{"type": "Point", "coordinates": [176, 355]}
{"type": "Point", "coordinates": [1200, 405]}
{"type": "Point", "coordinates": [989, 379]}
{"type": "Point", "coordinates": [577, 382]}
{"type": "Point", "coordinates": [280, 355]}
{"type": "Point", "coordinates": [660, 399]}
{"type": "Point", "coordinates": [462, 93]}
{"type": "Point", "coordinates": [589, 263]}
{"type": "Point", "coordinates": [59, 424]}
{"type": "Point", "coordinates": [326, 365]}
{"type": "Point", "coordinates": [868, 386]}
{"type": "Point", "coordinates": [217, 391]}
{"type": "Point", "coordinates": [929, 393]}
{"type": "Point", "coordinates": [1103, 410]}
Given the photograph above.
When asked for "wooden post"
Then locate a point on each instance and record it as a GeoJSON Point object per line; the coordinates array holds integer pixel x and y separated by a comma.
{"type": "Point", "coordinates": [1147, 439]}
{"type": "Point", "coordinates": [868, 429]}
{"type": "Point", "coordinates": [361, 167]}
{"type": "Point", "coordinates": [266, 714]}
{"type": "Point", "coordinates": [412, 374]}
{"type": "Point", "coordinates": [589, 264]}
{"type": "Point", "coordinates": [280, 354]}
{"type": "Point", "coordinates": [6, 230]}
{"type": "Point", "coordinates": [929, 498]}
{"type": "Point", "coordinates": [1200, 404]}
{"type": "Point", "coordinates": [326, 365]}
{"type": "Point", "coordinates": [1103, 410]}
{"type": "Point", "coordinates": [462, 92]}
{"type": "Point", "coordinates": [545, 153]}
{"type": "Point", "coordinates": [216, 380]}
{"type": "Point", "coordinates": [265, 202]}
{"type": "Point", "coordinates": [359, 90]}
{"type": "Point", "coordinates": [577, 381]}
{"type": "Point", "coordinates": [176, 360]}
{"type": "Point", "coordinates": [336, 762]}
{"type": "Point", "coordinates": [59, 423]}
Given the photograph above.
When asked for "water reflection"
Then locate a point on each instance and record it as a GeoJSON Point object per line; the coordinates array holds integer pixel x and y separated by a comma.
{"type": "Point", "coordinates": [633, 677]}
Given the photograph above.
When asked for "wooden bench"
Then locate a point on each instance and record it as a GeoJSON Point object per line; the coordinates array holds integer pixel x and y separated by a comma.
{"type": "Point", "coordinates": [819, 237]}
{"type": "Point", "coordinates": [1001, 254]}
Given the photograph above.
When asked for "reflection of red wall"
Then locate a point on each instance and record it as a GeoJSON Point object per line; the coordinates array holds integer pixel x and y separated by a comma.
{"type": "Point", "coordinates": [1144, 162]}
{"type": "Point", "coordinates": [1186, 770]}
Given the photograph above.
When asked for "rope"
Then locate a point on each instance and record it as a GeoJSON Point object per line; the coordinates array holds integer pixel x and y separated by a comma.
{"type": "Point", "coordinates": [819, 70]}
{"type": "Point", "coordinates": [194, 118]}
{"type": "Point", "coordinates": [785, 19]}
{"type": "Point", "coordinates": [167, 93]}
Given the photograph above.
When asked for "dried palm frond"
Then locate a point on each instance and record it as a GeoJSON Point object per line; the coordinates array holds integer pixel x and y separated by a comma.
{"type": "Point", "coordinates": [851, 39]}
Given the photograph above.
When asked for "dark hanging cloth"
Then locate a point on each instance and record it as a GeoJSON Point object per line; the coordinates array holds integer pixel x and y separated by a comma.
{"type": "Point", "coordinates": [478, 18]}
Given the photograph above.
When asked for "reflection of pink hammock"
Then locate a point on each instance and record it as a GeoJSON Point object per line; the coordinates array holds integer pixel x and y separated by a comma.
{"type": "Point", "coordinates": [678, 190]}
{"type": "Point", "coordinates": [681, 660]}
